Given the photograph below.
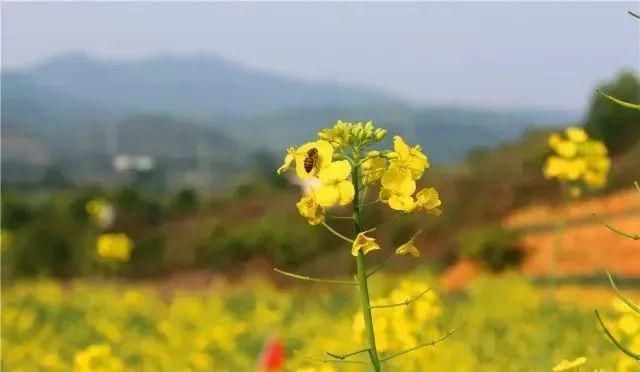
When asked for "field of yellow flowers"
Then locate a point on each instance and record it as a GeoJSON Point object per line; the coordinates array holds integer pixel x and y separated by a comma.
{"type": "Point", "coordinates": [502, 323]}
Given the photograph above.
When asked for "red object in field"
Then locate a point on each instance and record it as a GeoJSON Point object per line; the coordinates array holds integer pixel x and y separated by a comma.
{"type": "Point", "coordinates": [273, 356]}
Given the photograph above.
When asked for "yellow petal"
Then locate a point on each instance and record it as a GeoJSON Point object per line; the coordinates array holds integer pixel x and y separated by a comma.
{"type": "Point", "coordinates": [576, 134]}
{"type": "Point", "coordinates": [400, 147]}
{"type": "Point", "coordinates": [408, 247]}
{"type": "Point", "coordinates": [428, 198]}
{"type": "Point", "coordinates": [287, 160]}
{"type": "Point", "coordinates": [401, 203]}
{"type": "Point", "coordinates": [398, 181]}
{"type": "Point", "coordinates": [363, 243]}
{"type": "Point", "coordinates": [325, 153]}
{"type": "Point", "coordinates": [566, 149]}
{"type": "Point", "coordinates": [335, 172]}
{"type": "Point", "coordinates": [347, 192]}
{"type": "Point", "coordinates": [327, 195]}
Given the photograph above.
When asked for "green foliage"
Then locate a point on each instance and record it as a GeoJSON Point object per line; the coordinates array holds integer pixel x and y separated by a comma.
{"type": "Point", "coordinates": [185, 201]}
{"type": "Point", "coordinates": [495, 247]}
{"type": "Point", "coordinates": [617, 126]}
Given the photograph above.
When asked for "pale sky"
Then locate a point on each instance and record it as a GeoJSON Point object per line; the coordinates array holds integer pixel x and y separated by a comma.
{"type": "Point", "coordinates": [502, 55]}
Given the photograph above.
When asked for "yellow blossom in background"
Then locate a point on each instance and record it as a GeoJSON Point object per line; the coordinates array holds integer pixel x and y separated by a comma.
{"type": "Point", "coordinates": [335, 188]}
{"type": "Point", "coordinates": [309, 209]}
{"type": "Point", "coordinates": [409, 247]}
{"type": "Point", "coordinates": [567, 365]}
{"type": "Point", "coordinates": [363, 243]}
{"type": "Point", "coordinates": [115, 247]}
{"type": "Point", "coordinates": [397, 189]}
{"type": "Point", "coordinates": [577, 160]}
{"type": "Point", "coordinates": [6, 240]}
{"type": "Point", "coordinates": [97, 358]}
{"type": "Point", "coordinates": [408, 158]}
{"type": "Point", "coordinates": [101, 212]}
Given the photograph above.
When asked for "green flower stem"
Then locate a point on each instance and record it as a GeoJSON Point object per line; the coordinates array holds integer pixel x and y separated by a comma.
{"type": "Point", "coordinates": [345, 356]}
{"type": "Point", "coordinates": [615, 341]}
{"type": "Point", "coordinates": [334, 232]}
{"type": "Point", "coordinates": [618, 101]}
{"type": "Point", "coordinates": [362, 273]}
{"type": "Point", "coordinates": [431, 343]}
{"type": "Point", "coordinates": [382, 265]}
{"type": "Point", "coordinates": [310, 279]}
{"type": "Point", "coordinates": [608, 226]}
{"type": "Point", "coordinates": [629, 303]}
{"type": "Point", "coordinates": [403, 303]}
{"type": "Point", "coordinates": [633, 14]}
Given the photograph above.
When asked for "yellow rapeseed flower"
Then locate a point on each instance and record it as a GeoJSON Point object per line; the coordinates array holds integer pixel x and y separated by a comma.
{"type": "Point", "coordinates": [409, 158]}
{"type": "Point", "coordinates": [115, 247]}
{"type": "Point", "coordinates": [363, 243]}
{"type": "Point", "coordinates": [309, 209]}
{"type": "Point", "coordinates": [409, 247]}
{"type": "Point", "coordinates": [397, 188]}
{"type": "Point", "coordinates": [566, 365]}
{"type": "Point", "coordinates": [335, 189]}
{"type": "Point", "coordinates": [372, 169]}
{"type": "Point", "coordinates": [324, 157]}
{"type": "Point", "coordinates": [428, 200]}
{"type": "Point", "coordinates": [576, 134]}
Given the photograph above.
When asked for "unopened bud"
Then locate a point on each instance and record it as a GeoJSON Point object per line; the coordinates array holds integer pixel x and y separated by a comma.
{"type": "Point", "coordinates": [380, 133]}
{"type": "Point", "coordinates": [373, 154]}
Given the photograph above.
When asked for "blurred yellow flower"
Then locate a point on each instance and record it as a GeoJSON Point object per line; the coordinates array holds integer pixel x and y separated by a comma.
{"type": "Point", "coordinates": [576, 134]}
{"type": "Point", "coordinates": [335, 188]}
{"type": "Point", "coordinates": [397, 188]}
{"type": "Point", "coordinates": [101, 212]}
{"type": "Point", "coordinates": [566, 149]}
{"type": "Point", "coordinates": [114, 247]}
{"type": "Point", "coordinates": [363, 243]}
{"type": "Point", "coordinates": [409, 247]}
{"type": "Point", "coordinates": [428, 200]}
{"type": "Point", "coordinates": [96, 358]}
{"type": "Point", "coordinates": [309, 209]}
{"type": "Point", "coordinates": [628, 323]}
{"type": "Point", "coordinates": [6, 239]}
{"type": "Point", "coordinates": [409, 158]}
{"type": "Point", "coordinates": [577, 159]}
{"type": "Point", "coordinates": [566, 365]}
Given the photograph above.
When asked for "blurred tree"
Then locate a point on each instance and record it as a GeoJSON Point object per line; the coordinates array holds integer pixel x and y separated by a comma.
{"type": "Point", "coordinates": [617, 126]}
{"type": "Point", "coordinates": [185, 201]}
{"type": "Point", "coordinates": [54, 177]}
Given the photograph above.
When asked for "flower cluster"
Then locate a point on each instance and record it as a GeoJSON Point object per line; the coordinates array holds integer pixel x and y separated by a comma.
{"type": "Point", "coordinates": [578, 160]}
{"type": "Point", "coordinates": [115, 247]}
{"type": "Point", "coordinates": [341, 150]}
{"type": "Point", "coordinates": [101, 213]}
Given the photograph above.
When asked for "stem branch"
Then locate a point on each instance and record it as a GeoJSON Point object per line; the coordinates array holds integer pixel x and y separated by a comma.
{"type": "Point", "coordinates": [403, 303]}
{"type": "Point", "coordinates": [345, 356]}
{"type": "Point", "coordinates": [615, 230]}
{"type": "Point", "coordinates": [431, 343]}
{"type": "Point", "coordinates": [310, 279]}
{"type": "Point", "coordinates": [334, 232]}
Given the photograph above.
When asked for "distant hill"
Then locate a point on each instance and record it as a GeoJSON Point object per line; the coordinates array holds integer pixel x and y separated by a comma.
{"type": "Point", "coordinates": [190, 86]}
{"type": "Point", "coordinates": [166, 106]}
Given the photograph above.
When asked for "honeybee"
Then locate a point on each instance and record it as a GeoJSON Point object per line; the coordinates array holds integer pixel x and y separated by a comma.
{"type": "Point", "coordinates": [311, 160]}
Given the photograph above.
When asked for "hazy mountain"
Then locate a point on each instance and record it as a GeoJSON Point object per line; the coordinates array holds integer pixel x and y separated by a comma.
{"type": "Point", "coordinates": [196, 86]}
{"type": "Point", "coordinates": [179, 108]}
